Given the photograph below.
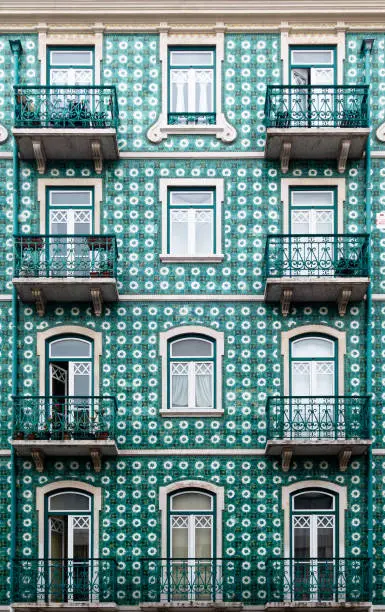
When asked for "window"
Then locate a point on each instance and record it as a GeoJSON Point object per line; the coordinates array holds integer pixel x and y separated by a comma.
{"type": "Point", "coordinates": [313, 211]}
{"type": "Point", "coordinates": [70, 211]}
{"type": "Point", "coordinates": [191, 222]}
{"type": "Point", "coordinates": [312, 66]}
{"type": "Point", "coordinates": [191, 363]}
{"type": "Point", "coordinates": [70, 66]}
{"type": "Point", "coordinates": [192, 85]}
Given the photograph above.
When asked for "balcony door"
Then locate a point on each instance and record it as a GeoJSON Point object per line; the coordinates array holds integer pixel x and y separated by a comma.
{"type": "Point", "coordinates": [312, 213]}
{"type": "Point", "coordinates": [191, 570]}
{"type": "Point", "coordinates": [70, 221]}
{"type": "Point", "coordinates": [69, 555]}
{"type": "Point", "coordinates": [314, 544]}
{"type": "Point", "coordinates": [70, 386]}
{"type": "Point", "coordinates": [313, 389]}
{"type": "Point", "coordinates": [309, 67]}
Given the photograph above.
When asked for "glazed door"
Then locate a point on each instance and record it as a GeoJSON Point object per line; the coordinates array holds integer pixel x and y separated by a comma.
{"type": "Point", "coordinates": [69, 249]}
{"type": "Point", "coordinates": [79, 567]}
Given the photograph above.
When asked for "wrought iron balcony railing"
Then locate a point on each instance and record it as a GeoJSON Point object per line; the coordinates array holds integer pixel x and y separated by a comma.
{"type": "Point", "coordinates": [65, 255]}
{"type": "Point", "coordinates": [62, 417]}
{"type": "Point", "coordinates": [64, 580]}
{"type": "Point", "coordinates": [317, 418]}
{"type": "Point", "coordinates": [317, 106]}
{"type": "Point", "coordinates": [316, 255]}
{"type": "Point", "coordinates": [66, 107]}
{"type": "Point", "coordinates": [191, 118]}
{"type": "Point", "coordinates": [315, 580]}
{"type": "Point", "coordinates": [191, 580]}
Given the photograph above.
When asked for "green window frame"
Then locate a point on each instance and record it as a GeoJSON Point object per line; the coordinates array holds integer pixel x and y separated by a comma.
{"type": "Point", "coordinates": [192, 219]}
{"type": "Point", "coordinates": [50, 207]}
{"type": "Point", "coordinates": [297, 512]}
{"type": "Point", "coordinates": [213, 513]}
{"type": "Point", "coordinates": [50, 359]}
{"type": "Point", "coordinates": [70, 66]}
{"type": "Point", "coordinates": [313, 206]}
{"type": "Point", "coordinates": [191, 372]}
{"type": "Point", "coordinates": [292, 359]}
{"type": "Point", "coordinates": [313, 64]}
{"type": "Point", "coordinates": [191, 100]}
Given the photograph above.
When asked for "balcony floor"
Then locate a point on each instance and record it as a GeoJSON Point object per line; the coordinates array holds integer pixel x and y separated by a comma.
{"type": "Point", "coordinates": [207, 606]}
{"type": "Point", "coordinates": [65, 448]}
{"type": "Point", "coordinates": [66, 606]}
{"type": "Point", "coordinates": [316, 447]}
{"type": "Point", "coordinates": [70, 289]}
{"type": "Point", "coordinates": [311, 289]}
{"type": "Point", "coordinates": [320, 606]}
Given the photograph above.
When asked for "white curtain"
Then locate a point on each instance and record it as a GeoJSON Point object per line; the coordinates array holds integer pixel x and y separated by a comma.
{"type": "Point", "coordinates": [179, 391]}
{"type": "Point", "coordinates": [203, 390]}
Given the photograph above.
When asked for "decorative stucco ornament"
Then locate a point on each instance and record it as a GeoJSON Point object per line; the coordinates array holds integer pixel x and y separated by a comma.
{"type": "Point", "coordinates": [3, 134]}
{"type": "Point", "coordinates": [380, 133]}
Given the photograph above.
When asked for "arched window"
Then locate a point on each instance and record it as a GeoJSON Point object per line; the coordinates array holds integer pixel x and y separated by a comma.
{"type": "Point", "coordinates": [191, 372]}
{"type": "Point", "coordinates": [313, 366]}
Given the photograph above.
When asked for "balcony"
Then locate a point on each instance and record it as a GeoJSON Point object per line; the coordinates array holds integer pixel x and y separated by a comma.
{"type": "Point", "coordinates": [324, 584]}
{"type": "Point", "coordinates": [316, 122]}
{"type": "Point", "coordinates": [189, 119]}
{"type": "Point", "coordinates": [209, 583]}
{"type": "Point", "coordinates": [58, 426]}
{"type": "Point", "coordinates": [316, 268]}
{"type": "Point", "coordinates": [89, 584]}
{"type": "Point", "coordinates": [65, 123]}
{"type": "Point", "coordinates": [66, 268]}
{"type": "Point", "coordinates": [317, 426]}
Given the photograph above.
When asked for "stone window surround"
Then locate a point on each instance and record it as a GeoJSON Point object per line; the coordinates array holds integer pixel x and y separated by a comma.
{"type": "Point", "coordinates": [325, 330]}
{"type": "Point", "coordinates": [165, 337]}
{"type": "Point", "coordinates": [57, 486]}
{"type": "Point", "coordinates": [169, 183]}
{"type": "Point", "coordinates": [312, 183]}
{"type": "Point", "coordinates": [340, 491]}
{"type": "Point", "coordinates": [68, 330]}
{"type": "Point", "coordinates": [174, 487]}
{"type": "Point", "coordinates": [47, 39]}
{"type": "Point", "coordinates": [222, 129]}
{"type": "Point", "coordinates": [336, 39]}
{"type": "Point", "coordinates": [56, 183]}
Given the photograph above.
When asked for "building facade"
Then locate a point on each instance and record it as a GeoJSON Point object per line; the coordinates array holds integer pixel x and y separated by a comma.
{"type": "Point", "coordinates": [192, 305]}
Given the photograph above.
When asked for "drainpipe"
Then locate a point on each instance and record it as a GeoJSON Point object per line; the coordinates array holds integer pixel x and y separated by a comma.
{"type": "Point", "coordinates": [16, 50]}
{"type": "Point", "coordinates": [366, 49]}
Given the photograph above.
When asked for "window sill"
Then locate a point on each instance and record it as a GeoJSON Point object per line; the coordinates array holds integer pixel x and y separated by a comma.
{"type": "Point", "coordinates": [194, 412]}
{"type": "Point", "coordinates": [193, 259]}
{"type": "Point", "coordinates": [221, 130]}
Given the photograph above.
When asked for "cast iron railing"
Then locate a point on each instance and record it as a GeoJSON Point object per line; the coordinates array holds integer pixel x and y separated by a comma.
{"type": "Point", "coordinates": [316, 255]}
{"type": "Point", "coordinates": [191, 580]}
{"type": "Point", "coordinates": [65, 255]}
{"type": "Point", "coordinates": [61, 417]}
{"type": "Point", "coordinates": [317, 106]}
{"type": "Point", "coordinates": [191, 118]}
{"type": "Point", "coordinates": [317, 418]}
{"type": "Point", "coordinates": [64, 580]}
{"type": "Point", "coordinates": [75, 106]}
{"type": "Point", "coordinates": [315, 580]}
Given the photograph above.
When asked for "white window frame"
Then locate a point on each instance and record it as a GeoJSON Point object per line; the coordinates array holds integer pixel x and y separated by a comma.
{"type": "Point", "coordinates": [169, 184]}
{"type": "Point", "coordinates": [192, 376]}
{"type": "Point", "coordinates": [190, 330]}
{"type": "Point", "coordinates": [50, 39]}
{"type": "Point", "coordinates": [222, 129]}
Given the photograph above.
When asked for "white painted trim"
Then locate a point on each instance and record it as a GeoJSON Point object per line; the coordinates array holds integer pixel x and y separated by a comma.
{"type": "Point", "coordinates": [219, 338]}
{"type": "Point", "coordinates": [160, 129]}
{"type": "Point", "coordinates": [288, 490]}
{"type": "Point", "coordinates": [201, 452]}
{"type": "Point", "coordinates": [68, 39]}
{"type": "Point", "coordinates": [95, 183]}
{"type": "Point", "coordinates": [191, 155]}
{"type": "Point", "coordinates": [43, 336]}
{"type": "Point", "coordinates": [188, 297]}
{"type": "Point", "coordinates": [339, 183]}
{"type": "Point", "coordinates": [286, 336]}
{"type": "Point", "coordinates": [57, 485]}
{"type": "Point", "coordinates": [164, 492]}
{"type": "Point", "coordinates": [169, 183]}
{"type": "Point", "coordinates": [210, 259]}
{"type": "Point", "coordinates": [193, 413]}
{"type": "Point", "coordinates": [289, 38]}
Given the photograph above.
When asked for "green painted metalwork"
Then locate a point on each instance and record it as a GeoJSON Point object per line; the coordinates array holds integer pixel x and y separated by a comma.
{"type": "Point", "coordinates": [296, 106]}
{"type": "Point", "coordinates": [63, 417]}
{"type": "Point", "coordinates": [67, 255]}
{"type": "Point", "coordinates": [66, 107]}
{"type": "Point", "coordinates": [178, 579]}
{"type": "Point", "coordinates": [316, 580]}
{"type": "Point", "coordinates": [65, 580]}
{"type": "Point", "coordinates": [316, 255]}
{"type": "Point", "coordinates": [192, 118]}
{"type": "Point", "coordinates": [317, 418]}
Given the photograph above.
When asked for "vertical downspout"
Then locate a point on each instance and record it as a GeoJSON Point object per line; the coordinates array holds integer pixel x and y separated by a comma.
{"type": "Point", "coordinates": [17, 50]}
{"type": "Point", "coordinates": [367, 48]}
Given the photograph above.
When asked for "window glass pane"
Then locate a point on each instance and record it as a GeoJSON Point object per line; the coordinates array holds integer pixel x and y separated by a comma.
{"type": "Point", "coordinates": [313, 500]}
{"type": "Point", "coordinates": [70, 347]}
{"type": "Point", "coordinates": [179, 385]}
{"type": "Point", "coordinates": [203, 232]}
{"type": "Point", "coordinates": [69, 501]}
{"type": "Point", "coordinates": [301, 543]}
{"type": "Point", "coordinates": [312, 56]}
{"type": "Point", "coordinates": [312, 347]}
{"type": "Point", "coordinates": [204, 385]}
{"type": "Point", "coordinates": [70, 198]}
{"type": "Point", "coordinates": [191, 347]}
{"type": "Point", "coordinates": [191, 58]}
{"type": "Point", "coordinates": [186, 198]}
{"type": "Point", "coordinates": [312, 198]}
{"type": "Point", "coordinates": [71, 57]}
{"type": "Point", "coordinates": [179, 548]}
{"type": "Point", "coordinates": [179, 232]}
{"type": "Point", "coordinates": [191, 501]}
